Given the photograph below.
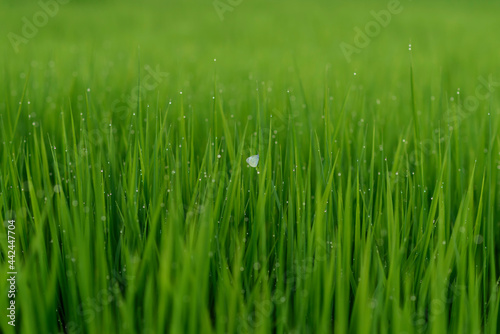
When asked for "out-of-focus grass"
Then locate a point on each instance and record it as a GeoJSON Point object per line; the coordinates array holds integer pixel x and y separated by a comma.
{"type": "Point", "coordinates": [374, 207]}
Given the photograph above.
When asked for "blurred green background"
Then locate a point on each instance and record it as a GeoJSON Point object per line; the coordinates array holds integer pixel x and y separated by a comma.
{"type": "Point", "coordinates": [104, 44]}
{"type": "Point", "coordinates": [100, 40]}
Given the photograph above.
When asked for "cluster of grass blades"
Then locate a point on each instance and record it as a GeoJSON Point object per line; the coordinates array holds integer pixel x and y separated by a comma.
{"type": "Point", "coordinates": [373, 206]}
{"type": "Point", "coordinates": [156, 223]}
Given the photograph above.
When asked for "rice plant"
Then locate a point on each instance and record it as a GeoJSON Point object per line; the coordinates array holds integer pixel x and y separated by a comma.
{"type": "Point", "coordinates": [224, 167]}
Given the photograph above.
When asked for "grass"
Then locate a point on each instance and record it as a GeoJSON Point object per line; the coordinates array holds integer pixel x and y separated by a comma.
{"type": "Point", "coordinates": [374, 207]}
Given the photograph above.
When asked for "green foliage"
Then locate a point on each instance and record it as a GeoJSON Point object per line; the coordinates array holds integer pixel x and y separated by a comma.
{"type": "Point", "coordinates": [374, 207]}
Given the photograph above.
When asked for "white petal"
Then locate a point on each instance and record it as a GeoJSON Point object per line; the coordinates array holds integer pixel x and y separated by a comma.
{"type": "Point", "coordinates": [253, 160]}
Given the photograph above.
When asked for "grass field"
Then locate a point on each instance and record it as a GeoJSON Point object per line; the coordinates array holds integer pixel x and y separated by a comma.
{"type": "Point", "coordinates": [127, 199]}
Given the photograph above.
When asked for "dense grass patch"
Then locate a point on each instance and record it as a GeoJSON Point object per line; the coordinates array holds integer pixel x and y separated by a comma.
{"type": "Point", "coordinates": [374, 208]}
